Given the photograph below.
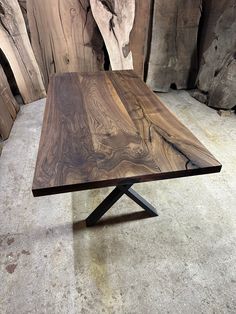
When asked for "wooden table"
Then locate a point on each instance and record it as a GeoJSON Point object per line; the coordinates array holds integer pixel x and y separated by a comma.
{"type": "Point", "coordinates": [109, 129]}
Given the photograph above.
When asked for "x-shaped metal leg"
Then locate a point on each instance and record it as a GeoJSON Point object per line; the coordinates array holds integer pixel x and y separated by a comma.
{"type": "Point", "coordinates": [113, 197]}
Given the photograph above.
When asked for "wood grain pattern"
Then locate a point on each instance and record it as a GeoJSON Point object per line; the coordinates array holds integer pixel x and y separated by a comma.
{"type": "Point", "coordinates": [107, 128]}
{"type": "Point", "coordinates": [64, 36]}
{"type": "Point", "coordinates": [139, 35]}
{"type": "Point", "coordinates": [115, 20]}
{"type": "Point", "coordinates": [23, 6]}
{"type": "Point", "coordinates": [8, 106]}
{"type": "Point", "coordinates": [173, 51]}
{"type": "Point", "coordinates": [15, 44]}
{"type": "Point", "coordinates": [217, 73]}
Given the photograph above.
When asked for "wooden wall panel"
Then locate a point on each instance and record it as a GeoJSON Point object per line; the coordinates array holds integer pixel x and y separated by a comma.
{"type": "Point", "coordinates": [15, 44]}
{"type": "Point", "coordinates": [64, 36]}
{"type": "Point", "coordinates": [173, 54]}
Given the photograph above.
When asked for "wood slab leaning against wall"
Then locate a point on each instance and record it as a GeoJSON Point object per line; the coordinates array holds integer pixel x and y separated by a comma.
{"type": "Point", "coordinates": [115, 20]}
{"type": "Point", "coordinates": [64, 36]}
{"type": "Point", "coordinates": [217, 74]}
{"type": "Point", "coordinates": [15, 44]}
{"type": "Point", "coordinates": [8, 107]}
{"type": "Point", "coordinates": [139, 34]}
{"type": "Point", "coordinates": [23, 6]}
{"type": "Point", "coordinates": [173, 53]}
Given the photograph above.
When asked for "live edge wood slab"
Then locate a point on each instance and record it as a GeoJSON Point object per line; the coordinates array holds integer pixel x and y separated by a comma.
{"type": "Point", "coordinates": [108, 128]}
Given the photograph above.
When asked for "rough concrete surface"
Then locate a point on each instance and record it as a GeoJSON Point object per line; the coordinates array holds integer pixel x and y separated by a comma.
{"type": "Point", "coordinates": [183, 261]}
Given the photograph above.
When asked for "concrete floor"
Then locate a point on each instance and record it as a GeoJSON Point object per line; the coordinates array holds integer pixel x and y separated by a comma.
{"type": "Point", "coordinates": [183, 261]}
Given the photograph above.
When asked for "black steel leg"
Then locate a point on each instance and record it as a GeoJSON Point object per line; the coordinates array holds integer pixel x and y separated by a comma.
{"type": "Point", "coordinates": [141, 202]}
{"type": "Point", "coordinates": [113, 197]}
{"type": "Point", "coordinates": [105, 205]}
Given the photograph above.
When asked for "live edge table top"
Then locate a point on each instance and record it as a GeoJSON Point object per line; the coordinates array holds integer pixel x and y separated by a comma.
{"type": "Point", "coordinates": [108, 128]}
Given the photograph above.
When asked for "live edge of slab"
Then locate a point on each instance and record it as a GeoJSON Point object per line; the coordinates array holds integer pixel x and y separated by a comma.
{"type": "Point", "coordinates": [108, 128]}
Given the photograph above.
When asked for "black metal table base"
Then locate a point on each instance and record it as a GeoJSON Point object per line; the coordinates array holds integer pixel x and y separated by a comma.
{"type": "Point", "coordinates": [113, 197]}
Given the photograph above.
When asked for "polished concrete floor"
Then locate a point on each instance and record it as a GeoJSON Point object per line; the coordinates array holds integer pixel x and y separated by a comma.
{"type": "Point", "coordinates": [183, 261]}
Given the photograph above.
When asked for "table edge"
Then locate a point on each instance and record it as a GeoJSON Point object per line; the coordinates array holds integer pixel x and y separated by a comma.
{"type": "Point", "coordinates": [114, 182]}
